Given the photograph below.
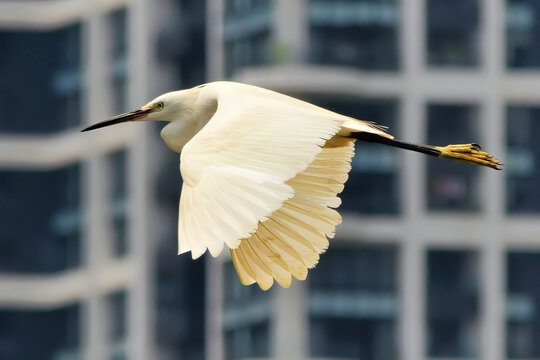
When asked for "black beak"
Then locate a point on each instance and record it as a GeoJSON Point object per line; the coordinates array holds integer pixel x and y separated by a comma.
{"type": "Point", "coordinates": [130, 116]}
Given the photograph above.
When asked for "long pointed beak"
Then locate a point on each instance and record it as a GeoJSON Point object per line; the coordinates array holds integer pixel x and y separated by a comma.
{"type": "Point", "coordinates": [130, 116]}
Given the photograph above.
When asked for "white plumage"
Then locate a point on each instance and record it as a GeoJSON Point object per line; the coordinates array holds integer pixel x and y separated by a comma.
{"type": "Point", "coordinates": [251, 173]}
{"type": "Point", "coordinates": [262, 172]}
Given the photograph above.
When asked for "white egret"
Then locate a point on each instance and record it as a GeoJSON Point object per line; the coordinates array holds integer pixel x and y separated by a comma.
{"type": "Point", "coordinates": [262, 172]}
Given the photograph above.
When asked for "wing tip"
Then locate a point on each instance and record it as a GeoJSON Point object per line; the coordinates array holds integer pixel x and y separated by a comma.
{"type": "Point", "coordinates": [266, 286]}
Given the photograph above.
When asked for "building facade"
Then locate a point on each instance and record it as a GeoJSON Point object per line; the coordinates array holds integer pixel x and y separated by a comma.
{"type": "Point", "coordinates": [84, 271]}
{"type": "Point", "coordinates": [434, 260]}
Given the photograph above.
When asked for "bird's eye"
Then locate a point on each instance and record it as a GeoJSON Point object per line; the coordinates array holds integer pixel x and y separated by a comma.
{"type": "Point", "coordinates": [160, 105]}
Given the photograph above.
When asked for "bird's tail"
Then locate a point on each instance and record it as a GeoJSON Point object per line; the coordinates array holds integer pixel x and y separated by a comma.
{"type": "Point", "coordinates": [464, 153]}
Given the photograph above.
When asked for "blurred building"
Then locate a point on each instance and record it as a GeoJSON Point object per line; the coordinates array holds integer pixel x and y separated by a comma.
{"type": "Point", "coordinates": [83, 269]}
{"type": "Point", "coordinates": [434, 260]}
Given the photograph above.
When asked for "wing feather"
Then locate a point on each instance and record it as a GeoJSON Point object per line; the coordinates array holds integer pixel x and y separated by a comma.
{"type": "Point", "coordinates": [235, 170]}
{"type": "Point", "coordinates": [297, 232]}
{"type": "Point", "coordinates": [262, 176]}
{"type": "Point", "coordinates": [245, 273]}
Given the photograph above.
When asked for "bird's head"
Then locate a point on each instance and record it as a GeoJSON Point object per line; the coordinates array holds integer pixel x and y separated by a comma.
{"type": "Point", "coordinates": [165, 107]}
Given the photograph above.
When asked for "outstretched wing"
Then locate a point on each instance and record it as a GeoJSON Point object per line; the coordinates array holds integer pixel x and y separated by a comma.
{"type": "Point", "coordinates": [235, 170]}
{"type": "Point", "coordinates": [290, 241]}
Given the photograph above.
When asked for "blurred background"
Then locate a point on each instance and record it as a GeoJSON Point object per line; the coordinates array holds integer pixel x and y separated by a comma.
{"type": "Point", "coordinates": [434, 260]}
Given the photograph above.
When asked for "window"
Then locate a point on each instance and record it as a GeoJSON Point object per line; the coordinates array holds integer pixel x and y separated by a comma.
{"type": "Point", "coordinates": [452, 33]}
{"type": "Point", "coordinates": [41, 80]}
{"type": "Point", "coordinates": [238, 295]}
{"type": "Point", "coordinates": [119, 55]}
{"type": "Point", "coordinates": [247, 342]}
{"type": "Point", "coordinates": [247, 34]}
{"type": "Point", "coordinates": [179, 282]}
{"type": "Point", "coordinates": [523, 159]}
{"type": "Point", "coordinates": [239, 8]}
{"type": "Point", "coordinates": [452, 186]}
{"type": "Point", "coordinates": [522, 26]}
{"type": "Point", "coordinates": [246, 318]}
{"type": "Point", "coordinates": [523, 302]}
{"type": "Point", "coordinates": [353, 303]}
{"type": "Point", "coordinates": [191, 60]}
{"type": "Point", "coordinates": [179, 297]}
{"type": "Point", "coordinates": [373, 184]}
{"type": "Point", "coordinates": [337, 26]}
{"type": "Point", "coordinates": [52, 334]}
{"type": "Point", "coordinates": [452, 304]}
{"type": "Point", "coordinates": [40, 220]}
{"type": "Point", "coordinates": [118, 175]}
{"type": "Point", "coordinates": [117, 306]}
{"type": "Point", "coordinates": [364, 268]}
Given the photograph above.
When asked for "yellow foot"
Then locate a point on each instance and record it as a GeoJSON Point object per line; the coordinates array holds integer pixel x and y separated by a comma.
{"type": "Point", "coordinates": [469, 154]}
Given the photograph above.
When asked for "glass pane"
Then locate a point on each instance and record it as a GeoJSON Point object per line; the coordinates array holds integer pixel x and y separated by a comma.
{"type": "Point", "coordinates": [337, 26]}
{"type": "Point", "coordinates": [353, 303]}
{"type": "Point", "coordinates": [238, 295]}
{"type": "Point", "coordinates": [239, 8]}
{"type": "Point", "coordinates": [179, 284]}
{"type": "Point", "coordinates": [523, 159]}
{"type": "Point", "coordinates": [373, 184]}
{"type": "Point", "coordinates": [522, 27]}
{"type": "Point", "coordinates": [246, 318]}
{"type": "Point", "coordinates": [247, 34]}
{"type": "Point", "coordinates": [117, 306]}
{"type": "Point", "coordinates": [453, 31]}
{"type": "Point", "coordinates": [247, 342]}
{"type": "Point", "coordinates": [118, 168]}
{"type": "Point", "coordinates": [47, 335]}
{"type": "Point", "coordinates": [40, 220]}
{"type": "Point", "coordinates": [452, 300]}
{"type": "Point", "coordinates": [190, 58]}
{"type": "Point", "coordinates": [365, 268]}
{"type": "Point", "coordinates": [523, 302]}
{"type": "Point", "coordinates": [41, 80]}
{"type": "Point", "coordinates": [451, 185]}
{"type": "Point", "coordinates": [179, 299]}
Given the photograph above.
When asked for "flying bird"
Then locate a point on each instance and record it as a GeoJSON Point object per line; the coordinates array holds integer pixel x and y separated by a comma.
{"type": "Point", "coordinates": [262, 172]}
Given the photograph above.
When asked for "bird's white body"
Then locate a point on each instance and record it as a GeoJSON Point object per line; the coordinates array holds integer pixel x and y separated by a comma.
{"type": "Point", "coordinates": [262, 172]}
{"type": "Point", "coordinates": [199, 104]}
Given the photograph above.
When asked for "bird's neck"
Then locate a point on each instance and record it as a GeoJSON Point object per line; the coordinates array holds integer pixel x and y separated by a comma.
{"type": "Point", "coordinates": [178, 132]}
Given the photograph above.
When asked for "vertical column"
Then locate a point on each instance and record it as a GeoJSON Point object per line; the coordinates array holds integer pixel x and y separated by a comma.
{"type": "Point", "coordinates": [492, 303]}
{"type": "Point", "coordinates": [493, 139]}
{"type": "Point", "coordinates": [412, 114]}
{"type": "Point", "coordinates": [493, 124]}
{"type": "Point", "coordinates": [412, 186]}
{"type": "Point", "coordinates": [412, 317]}
{"type": "Point", "coordinates": [140, 293]}
{"type": "Point", "coordinates": [95, 195]}
{"type": "Point", "coordinates": [214, 309]}
{"type": "Point", "coordinates": [291, 27]}
{"type": "Point", "coordinates": [412, 294]}
{"type": "Point", "coordinates": [412, 36]}
{"type": "Point", "coordinates": [215, 12]}
{"type": "Point", "coordinates": [94, 321]}
{"type": "Point", "coordinates": [290, 327]}
{"type": "Point", "coordinates": [493, 36]}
